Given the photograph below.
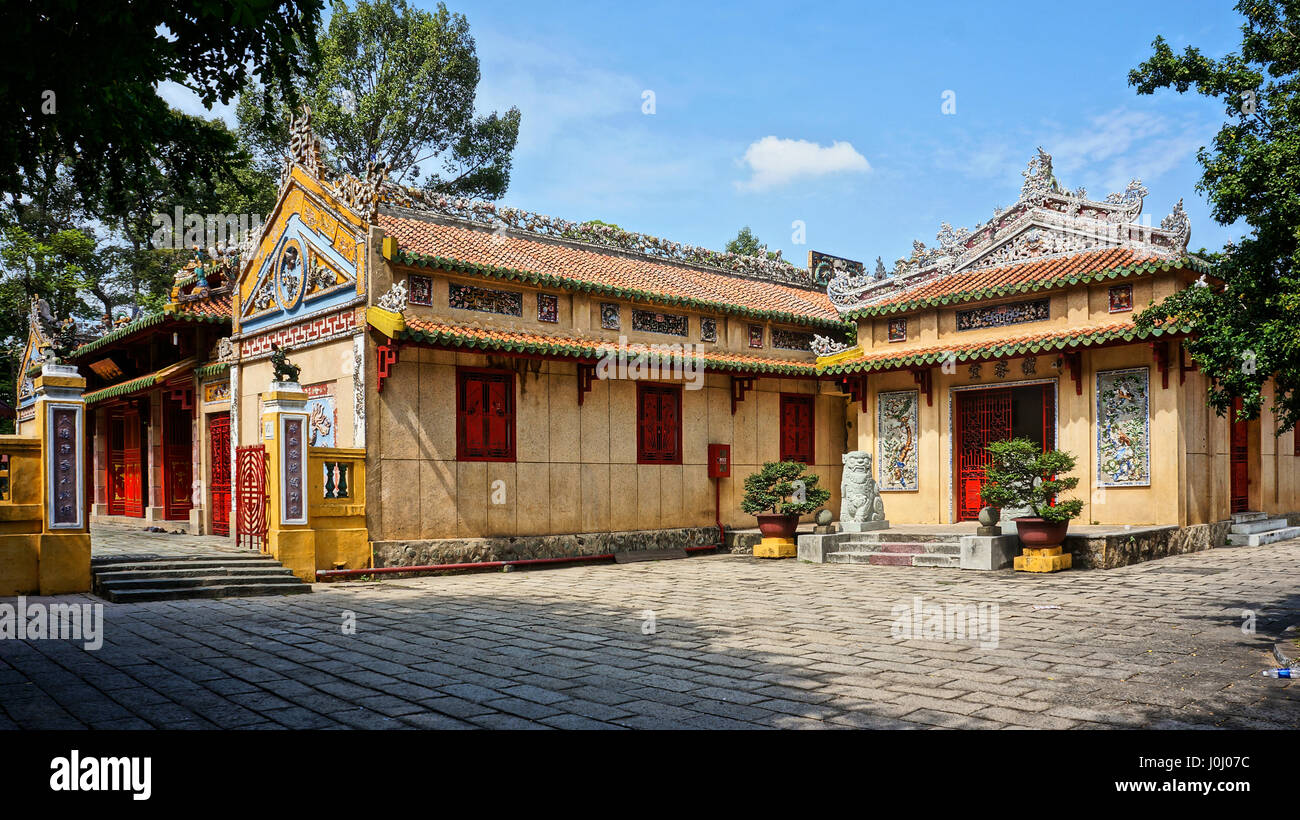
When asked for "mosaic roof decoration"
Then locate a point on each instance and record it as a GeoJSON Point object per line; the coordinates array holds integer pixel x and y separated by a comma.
{"type": "Point", "coordinates": [1048, 222]}
{"type": "Point", "coordinates": [499, 217]}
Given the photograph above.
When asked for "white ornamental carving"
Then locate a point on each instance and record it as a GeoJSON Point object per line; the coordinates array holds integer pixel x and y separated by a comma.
{"type": "Point", "coordinates": [1047, 220]}
{"type": "Point", "coordinates": [396, 298]}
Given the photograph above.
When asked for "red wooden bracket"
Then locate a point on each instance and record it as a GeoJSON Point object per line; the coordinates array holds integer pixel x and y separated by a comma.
{"type": "Point", "coordinates": [1074, 360]}
{"type": "Point", "coordinates": [856, 387]}
{"type": "Point", "coordinates": [740, 385]}
{"type": "Point", "coordinates": [1184, 366]}
{"type": "Point", "coordinates": [1160, 351]}
{"type": "Point", "coordinates": [184, 396]}
{"type": "Point", "coordinates": [586, 376]}
{"type": "Point", "coordinates": [922, 377]}
{"type": "Point", "coordinates": [385, 358]}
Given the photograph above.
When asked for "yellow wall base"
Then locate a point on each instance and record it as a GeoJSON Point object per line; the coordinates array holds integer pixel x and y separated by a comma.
{"type": "Point", "coordinates": [296, 549]}
{"type": "Point", "coordinates": [1049, 559]}
{"type": "Point", "coordinates": [20, 561]}
{"type": "Point", "coordinates": [65, 563]}
{"type": "Point", "coordinates": [776, 548]}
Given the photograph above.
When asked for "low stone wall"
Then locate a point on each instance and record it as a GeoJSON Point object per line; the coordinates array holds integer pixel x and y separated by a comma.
{"type": "Point", "coordinates": [1143, 544]}
{"type": "Point", "coordinates": [513, 548]}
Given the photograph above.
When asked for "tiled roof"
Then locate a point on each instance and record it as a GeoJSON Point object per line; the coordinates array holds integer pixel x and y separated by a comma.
{"type": "Point", "coordinates": [481, 338]}
{"type": "Point", "coordinates": [139, 383]}
{"type": "Point", "coordinates": [214, 305]}
{"type": "Point", "coordinates": [457, 247]}
{"type": "Point", "coordinates": [1026, 344]}
{"type": "Point", "coordinates": [1023, 277]}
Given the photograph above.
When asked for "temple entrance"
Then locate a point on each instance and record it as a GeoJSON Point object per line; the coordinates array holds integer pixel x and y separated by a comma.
{"type": "Point", "coordinates": [986, 415]}
{"type": "Point", "coordinates": [219, 461]}
{"type": "Point", "coordinates": [1239, 456]}
{"type": "Point", "coordinates": [178, 460]}
{"type": "Point", "coordinates": [125, 475]}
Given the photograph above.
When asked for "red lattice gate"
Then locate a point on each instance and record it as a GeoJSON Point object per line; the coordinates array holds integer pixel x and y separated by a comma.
{"type": "Point", "coordinates": [1239, 454]}
{"type": "Point", "coordinates": [250, 497]}
{"type": "Point", "coordinates": [981, 418]}
{"type": "Point", "coordinates": [219, 460]}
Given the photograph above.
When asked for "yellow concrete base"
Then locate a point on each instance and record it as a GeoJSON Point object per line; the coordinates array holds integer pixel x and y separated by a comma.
{"type": "Point", "coordinates": [776, 548]}
{"type": "Point", "coordinates": [1048, 559]}
{"type": "Point", "coordinates": [296, 549]}
{"type": "Point", "coordinates": [65, 563]}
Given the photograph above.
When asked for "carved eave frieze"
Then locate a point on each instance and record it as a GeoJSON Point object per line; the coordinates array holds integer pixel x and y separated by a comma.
{"type": "Point", "coordinates": [1047, 221]}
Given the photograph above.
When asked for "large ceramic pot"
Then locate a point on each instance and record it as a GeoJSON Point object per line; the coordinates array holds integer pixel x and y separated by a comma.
{"type": "Point", "coordinates": [1035, 533]}
{"type": "Point", "coordinates": [775, 525]}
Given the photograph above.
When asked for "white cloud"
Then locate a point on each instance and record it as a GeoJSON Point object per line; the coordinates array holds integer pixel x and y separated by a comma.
{"type": "Point", "coordinates": [775, 161]}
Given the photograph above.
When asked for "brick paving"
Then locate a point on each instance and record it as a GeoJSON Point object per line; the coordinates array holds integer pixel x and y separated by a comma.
{"type": "Point", "coordinates": [738, 643]}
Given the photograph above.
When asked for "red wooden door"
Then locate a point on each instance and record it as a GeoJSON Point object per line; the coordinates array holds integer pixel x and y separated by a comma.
{"type": "Point", "coordinates": [132, 469]}
{"type": "Point", "coordinates": [251, 521]}
{"type": "Point", "coordinates": [797, 428]}
{"type": "Point", "coordinates": [116, 466]}
{"type": "Point", "coordinates": [219, 460]}
{"type": "Point", "coordinates": [178, 461]}
{"type": "Point", "coordinates": [659, 434]}
{"type": "Point", "coordinates": [980, 418]}
{"type": "Point", "coordinates": [1238, 458]}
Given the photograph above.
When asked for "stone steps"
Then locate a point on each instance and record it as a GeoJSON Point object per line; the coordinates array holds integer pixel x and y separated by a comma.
{"type": "Point", "coordinates": [1256, 539]}
{"type": "Point", "coordinates": [123, 580]}
{"type": "Point", "coordinates": [929, 553]}
{"type": "Point", "coordinates": [1258, 525]}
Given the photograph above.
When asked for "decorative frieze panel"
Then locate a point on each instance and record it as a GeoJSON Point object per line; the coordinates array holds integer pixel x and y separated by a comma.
{"type": "Point", "coordinates": [1121, 298]}
{"type": "Point", "coordinates": [898, 330]}
{"type": "Point", "coordinates": [1123, 428]}
{"type": "Point", "coordinates": [755, 335]}
{"type": "Point", "coordinates": [791, 340]}
{"type": "Point", "coordinates": [216, 391]}
{"type": "Point", "coordinates": [650, 321]}
{"type": "Point", "coordinates": [485, 300]}
{"type": "Point", "coordinates": [321, 329]}
{"type": "Point", "coordinates": [548, 307]}
{"type": "Point", "coordinates": [1012, 313]}
{"type": "Point", "coordinates": [420, 290]}
{"type": "Point", "coordinates": [708, 329]}
{"type": "Point", "coordinates": [609, 319]}
{"type": "Point", "coordinates": [897, 438]}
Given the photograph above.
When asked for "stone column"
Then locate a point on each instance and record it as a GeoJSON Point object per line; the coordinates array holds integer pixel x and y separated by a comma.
{"type": "Point", "coordinates": [64, 550]}
{"type": "Point", "coordinates": [290, 537]}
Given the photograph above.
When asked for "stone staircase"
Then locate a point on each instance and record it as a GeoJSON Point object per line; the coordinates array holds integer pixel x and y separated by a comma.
{"type": "Point", "coordinates": [171, 578]}
{"type": "Point", "coordinates": [1250, 529]}
{"type": "Point", "coordinates": [887, 549]}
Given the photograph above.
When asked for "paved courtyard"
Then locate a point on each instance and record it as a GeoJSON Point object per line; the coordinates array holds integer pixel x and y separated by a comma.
{"type": "Point", "coordinates": [736, 643]}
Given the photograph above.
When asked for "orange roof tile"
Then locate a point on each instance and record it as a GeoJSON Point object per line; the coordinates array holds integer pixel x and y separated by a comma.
{"type": "Point", "coordinates": [1027, 343]}
{"type": "Point", "coordinates": [424, 241]}
{"type": "Point", "coordinates": [1022, 276]}
{"type": "Point", "coordinates": [487, 338]}
{"type": "Point", "coordinates": [214, 305]}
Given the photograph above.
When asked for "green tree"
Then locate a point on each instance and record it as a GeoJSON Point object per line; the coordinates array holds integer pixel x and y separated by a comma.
{"type": "Point", "coordinates": [1020, 474]}
{"type": "Point", "coordinates": [746, 244]}
{"type": "Point", "coordinates": [81, 78]}
{"type": "Point", "coordinates": [1244, 316]}
{"type": "Point", "coordinates": [394, 85]}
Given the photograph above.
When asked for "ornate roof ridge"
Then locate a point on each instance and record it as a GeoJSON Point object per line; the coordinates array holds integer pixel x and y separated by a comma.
{"type": "Point", "coordinates": [1047, 221]}
{"type": "Point", "coordinates": [500, 228]}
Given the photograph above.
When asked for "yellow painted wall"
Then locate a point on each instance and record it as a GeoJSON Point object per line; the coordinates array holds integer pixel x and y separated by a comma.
{"type": "Point", "coordinates": [576, 468]}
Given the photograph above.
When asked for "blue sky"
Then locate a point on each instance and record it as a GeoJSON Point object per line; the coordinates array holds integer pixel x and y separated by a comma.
{"type": "Point", "coordinates": [746, 93]}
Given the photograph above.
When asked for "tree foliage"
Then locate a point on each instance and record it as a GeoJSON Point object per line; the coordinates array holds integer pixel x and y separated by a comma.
{"type": "Point", "coordinates": [81, 79]}
{"type": "Point", "coordinates": [1244, 315]}
{"type": "Point", "coordinates": [1020, 474]}
{"type": "Point", "coordinates": [395, 85]}
{"type": "Point", "coordinates": [783, 487]}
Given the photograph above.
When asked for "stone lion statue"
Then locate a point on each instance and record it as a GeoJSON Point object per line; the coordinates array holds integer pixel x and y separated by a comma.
{"type": "Point", "coordinates": [860, 500]}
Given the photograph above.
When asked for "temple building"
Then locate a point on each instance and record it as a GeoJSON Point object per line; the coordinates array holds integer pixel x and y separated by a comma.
{"type": "Point", "coordinates": [156, 403]}
{"type": "Point", "coordinates": [480, 382]}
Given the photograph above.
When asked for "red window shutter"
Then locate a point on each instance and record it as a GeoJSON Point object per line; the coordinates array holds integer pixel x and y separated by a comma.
{"type": "Point", "coordinates": [797, 428]}
{"type": "Point", "coordinates": [659, 431]}
{"type": "Point", "coordinates": [485, 416]}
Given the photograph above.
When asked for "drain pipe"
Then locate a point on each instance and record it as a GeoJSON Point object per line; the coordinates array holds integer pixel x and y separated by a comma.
{"type": "Point", "coordinates": [523, 562]}
{"type": "Point", "coordinates": [717, 512]}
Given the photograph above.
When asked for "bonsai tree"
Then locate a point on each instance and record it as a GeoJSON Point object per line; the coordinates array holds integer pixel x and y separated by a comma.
{"type": "Point", "coordinates": [783, 488]}
{"type": "Point", "coordinates": [1020, 474]}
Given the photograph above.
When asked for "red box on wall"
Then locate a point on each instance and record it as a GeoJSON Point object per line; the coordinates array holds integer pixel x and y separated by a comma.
{"type": "Point", "coordinates": [719, 461]}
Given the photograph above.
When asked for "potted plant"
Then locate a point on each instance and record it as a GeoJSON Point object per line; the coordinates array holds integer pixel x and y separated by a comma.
{"type": "Point", "coordinates": [1021, 475]}
{"type": "Point", "coordinates": [778, 494]}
